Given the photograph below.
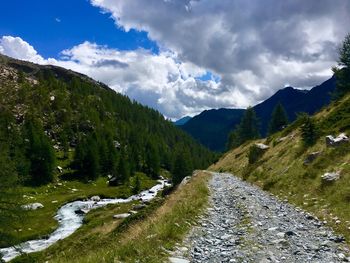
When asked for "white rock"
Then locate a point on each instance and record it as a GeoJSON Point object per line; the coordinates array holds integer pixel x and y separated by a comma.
{"type": "Point", "coordinates": [262, 146]}
{"type": "Point", "coordinates": [331, 176]}
{"type": "Point", "coordinates": [121, 216]}
{"type": "Point", "coordinates": [32, 206]}
{"type": "Point", "coordinates": [178, 260]}
{"type": "Point", "coordinates": [95, 198]}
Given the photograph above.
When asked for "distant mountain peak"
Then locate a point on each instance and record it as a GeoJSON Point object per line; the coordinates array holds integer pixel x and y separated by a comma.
{"type": "Point", "coordinates": [182, 121]}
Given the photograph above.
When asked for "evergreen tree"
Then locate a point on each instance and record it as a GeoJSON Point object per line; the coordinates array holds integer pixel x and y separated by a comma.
{"type": "Point", "coordinates": [137, 184]}
{"type": "Point", "coordinates": [309, 131]}
{"type": "Point", "coordinates": [86, 158]}
{"type": "Point", "coordinates": [123, 168]}
{"type": "Point", "coordinates": [278, 120]}
{"type": "Point", "coordinates": [246, 130]}
{"type": "Point", "coordinates": [152, 161]}
{"type": "Point", "coordinates": [182, 166]}
{"type": "Point", "coordinates": [342, 73]}
{"type": "Point", "coordinates": [40, 153]}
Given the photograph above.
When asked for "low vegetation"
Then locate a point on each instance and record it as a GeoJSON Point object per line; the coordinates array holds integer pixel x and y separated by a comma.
{"type": "Point", "coordinates": [144, 237]}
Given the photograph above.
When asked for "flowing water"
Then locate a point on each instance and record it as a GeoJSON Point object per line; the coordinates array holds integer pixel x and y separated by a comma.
{"type": "Point", "coordinates": [69, 221]}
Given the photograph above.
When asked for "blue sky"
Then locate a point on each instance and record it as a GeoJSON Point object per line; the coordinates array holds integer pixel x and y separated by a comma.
{"type": "Point", "coordinates": [182, 56]}
{"type": "Point", "coordinates": [54, 25]}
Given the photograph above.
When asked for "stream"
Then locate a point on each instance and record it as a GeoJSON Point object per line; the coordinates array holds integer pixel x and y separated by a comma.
{"type": "Point", "coordinates": [69, 221]}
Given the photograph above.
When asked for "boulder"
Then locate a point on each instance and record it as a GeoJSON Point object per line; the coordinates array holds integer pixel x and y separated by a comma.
{"type": "Point", "coordinates": [329, 177]}
{"type": "Point", "coordinates": [311, 157]}
{"type": "Point", "coordinates": [81, 211]}
{"type": "Point", "coordinates": [339, 140]}
{"type": "Point", "coordinates": [262, 146]}
{"type": "Point", "coordinates": [121, 216]}
{"type": "Point", "coordinates": [113, 181]}
{"type": "Point", "coordinates": [95, 198]}
{"type": "Point", "coordinates": [139, 206]}
{"type": "Point", "coordinates": [32, 206]}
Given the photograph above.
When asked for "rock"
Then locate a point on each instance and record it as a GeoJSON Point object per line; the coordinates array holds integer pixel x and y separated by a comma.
{"type": "Point", "coordinates": [262, 146]}
{"type": "Point", "coordinates": [95, 198]}
{"type": "Point", "coordinates": [116, 144]}
{"type": "Point", "coordinates": [32, 206]}
{"type": "Point", "coordinates": [185, 180]}
{"type": "Point", "coordinates": [113, 181]}
{"type": "Point", "coordinates": [81, 211]}
{"type": "Point", "coordinates": [178, 260]}
{"type": "Point", "coordinates": [311, 157]}
{"type": "Point", "coordinates": [52, 98]}
{"type": "Point", "coordinates": [331, 176]}
{"type": "Point", "coordinates": [59, 169]}
{"type": "Point", "coordinates": [333, 142]}
{"type": "Point", "coordinates": [121, 216]}
{"type": "Point", "coordinates": [139, 206]}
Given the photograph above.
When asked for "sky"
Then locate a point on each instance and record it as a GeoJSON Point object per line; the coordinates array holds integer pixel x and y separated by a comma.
{"type": "Point", "coordinates": [182, 56]}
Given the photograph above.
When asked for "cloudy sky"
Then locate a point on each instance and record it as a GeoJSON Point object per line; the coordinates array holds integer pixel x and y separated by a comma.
{"type": "Point", "coordinates": [182, 56]}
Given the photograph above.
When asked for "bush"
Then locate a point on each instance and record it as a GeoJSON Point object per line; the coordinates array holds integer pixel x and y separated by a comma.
{"type": "Point", "coordinates": [254, 154]}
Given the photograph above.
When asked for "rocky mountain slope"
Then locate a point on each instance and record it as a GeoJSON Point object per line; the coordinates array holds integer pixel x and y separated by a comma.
{"type": "Point", "coordinates": [212, 127]}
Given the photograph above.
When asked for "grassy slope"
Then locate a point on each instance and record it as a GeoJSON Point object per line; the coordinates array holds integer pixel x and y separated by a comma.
{"type": "Point", "coordinates": [144, 237]}
{"type": "Point", "coordinates": [281, 171]}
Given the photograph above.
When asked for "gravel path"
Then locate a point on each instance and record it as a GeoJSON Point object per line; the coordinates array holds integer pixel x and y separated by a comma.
{"type": "Point", "coordinates": [246, 224]}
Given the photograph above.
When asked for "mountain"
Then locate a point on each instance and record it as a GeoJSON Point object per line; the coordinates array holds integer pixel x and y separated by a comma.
{"type": "Point", "coordinates": [211, 127]}
{"type": "Point", "coordinates": [182, 121]}
{"type": "Point", "coordinates": [48, 113]}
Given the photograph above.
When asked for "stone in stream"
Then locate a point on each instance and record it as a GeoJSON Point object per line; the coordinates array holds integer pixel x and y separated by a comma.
{"type": "Point", "coordinates": [95, 198]}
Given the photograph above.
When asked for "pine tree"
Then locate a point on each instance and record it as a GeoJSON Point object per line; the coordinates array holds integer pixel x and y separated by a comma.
{"type": "Point", "coordinates": [86, 159]}
{"type": "Point", "coordinates": [309, 131]}
{"type": "Point", "coordinates": [182, 166]}
{"type": "Point", "coordinates": [40, 153]}
{"type": "Point", "coordinates": [246, 130]}
{"type": "Point", "coordinates": [278, 120]}
{"type": "Point", "coordinates": [123, 168]}
{"type": "Point", "coordinates": [342, 72]}
{"type": "Point", "coordinates": [152, 161]}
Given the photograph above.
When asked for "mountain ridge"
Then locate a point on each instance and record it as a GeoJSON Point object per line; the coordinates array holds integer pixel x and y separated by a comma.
{"type": "Point", "coordinates": [293, 100]}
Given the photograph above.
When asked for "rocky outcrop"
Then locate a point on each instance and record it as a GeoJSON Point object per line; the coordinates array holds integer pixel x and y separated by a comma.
{"type": "Point", "coordinates": [262, 146]}
{"type": "Point", "coordinates": [329, 177]}
{"type": "Point", "coordinates": [339, 140]}
{"type": "Point", "coordinates": [32, 206]}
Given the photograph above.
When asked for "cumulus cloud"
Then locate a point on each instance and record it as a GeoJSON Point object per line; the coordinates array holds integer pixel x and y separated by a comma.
{"type": "Point", "coordinates": [256, 47]}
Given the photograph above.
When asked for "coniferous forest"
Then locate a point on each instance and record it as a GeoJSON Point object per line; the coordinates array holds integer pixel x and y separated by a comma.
{"type": "Point", "coordinates": [49, 112]}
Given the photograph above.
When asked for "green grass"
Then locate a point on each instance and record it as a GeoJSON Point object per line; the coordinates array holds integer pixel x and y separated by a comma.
{"type": "Point", "coordinates": [40, 222]}
{"type": "Point", "coordinates": [144, 237]}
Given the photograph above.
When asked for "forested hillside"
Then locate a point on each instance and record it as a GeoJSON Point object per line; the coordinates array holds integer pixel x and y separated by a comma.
{"type": "Point", "coordinates": [51, 115]}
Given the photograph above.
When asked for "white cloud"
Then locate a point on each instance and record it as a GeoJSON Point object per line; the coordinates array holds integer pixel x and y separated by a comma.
{"type": "Point", "coordinates": [255, 46]}
{"type": "Point", "coordinates": [17, 48]}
